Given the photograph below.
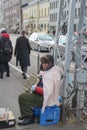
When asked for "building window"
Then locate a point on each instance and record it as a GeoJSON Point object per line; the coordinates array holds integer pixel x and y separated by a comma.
{"type": "Point", "coordinates": [48, 12]}
{"type": "Point", "coordinates": [52, 17]}
{"type": "Point", "coordinates": [56, 16]}
{"type": "Point", "coordinates": [78, 12]}
{"type": "Point", "coordinates": [42, 13]}
{"type": "Point", "coordinates": [56, 4]}
{"type": "Point", "coordinates": [52, 5]}
{"type": "Point", "coordinates": [45, 12]}
{"type": "Point", "coordinates": [39, 13]}
{"type": "Point", "coordinates": [86, 11]}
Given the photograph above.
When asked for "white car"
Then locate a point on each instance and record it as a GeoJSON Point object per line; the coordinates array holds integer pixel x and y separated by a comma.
{"type": "Point", "coordinates": [40, 41]}
{"type": "Point", "coordinates": [61, 45]}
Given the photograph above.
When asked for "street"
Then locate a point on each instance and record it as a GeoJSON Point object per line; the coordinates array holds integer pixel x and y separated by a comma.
{"type": "Point", "coordinates": [11, 87]}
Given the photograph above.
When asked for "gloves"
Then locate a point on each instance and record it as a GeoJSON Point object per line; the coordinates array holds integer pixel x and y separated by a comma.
{"type": "Point", "coordinates": [33, 88]}
{"type": "Point", "coordinates": [43, 109]}
{"type": "Point", "coordinates": [60, 99]}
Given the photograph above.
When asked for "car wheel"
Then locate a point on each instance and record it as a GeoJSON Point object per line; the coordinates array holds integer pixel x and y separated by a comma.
{"type": "Point", "coordinates": [39, 48]}
{"type": "Point", "coordinates": [52, 51]}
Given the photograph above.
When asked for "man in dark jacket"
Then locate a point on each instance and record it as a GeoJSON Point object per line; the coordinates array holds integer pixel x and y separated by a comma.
{"type": "Point", "coordinates": [22, 51]}
{"type": "Point", "coordinates": [5, 57]}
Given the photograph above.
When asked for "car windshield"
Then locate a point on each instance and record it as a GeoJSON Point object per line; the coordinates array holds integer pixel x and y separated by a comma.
{"type": "Point", "coordinates": [62, 40]}
{"type": "Point", "coordinates": [45, 37]}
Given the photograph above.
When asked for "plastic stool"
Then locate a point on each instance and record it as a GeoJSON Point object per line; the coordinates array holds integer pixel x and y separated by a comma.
{"type": "Point", "coordinates": [50, 116]}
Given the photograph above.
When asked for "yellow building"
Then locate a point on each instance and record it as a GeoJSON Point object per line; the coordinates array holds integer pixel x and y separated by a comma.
{"type": "Point", "coordinates": [43, 22]}
{"type": "Point", "coordinates": [30, 17]}
{"type": "Point", "coordinates": [36, 16]}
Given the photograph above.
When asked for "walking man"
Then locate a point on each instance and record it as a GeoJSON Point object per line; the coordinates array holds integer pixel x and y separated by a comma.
{"type": "Point", "coordinates": [22, 53]}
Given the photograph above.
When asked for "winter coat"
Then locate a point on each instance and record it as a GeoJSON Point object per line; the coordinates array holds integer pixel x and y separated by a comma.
{"type": "Point", "coordinates": [51, 86]}
{"type": "Point", "coordinates": [5, 57]}
{"type": "Point", "coordinates": [22, 51]}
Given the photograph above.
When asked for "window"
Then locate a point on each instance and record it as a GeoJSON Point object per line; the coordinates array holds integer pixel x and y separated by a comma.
{"type": "Point", "coordinates": [78, 12]}
{"type": "Point", "coordinates": [75, 12]}
{"type": "Point", "coordinates": [42, 12]}
{"type": "Point", "coordinates": [45, 12]}
{"type": "Point", "coordinates": [86, 11]}
{"type": "Point", "coordinates": [56, 4]}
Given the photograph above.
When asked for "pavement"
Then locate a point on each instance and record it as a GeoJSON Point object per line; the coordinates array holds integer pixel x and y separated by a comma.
{"type": "Point", "coordinates": [11, 87]}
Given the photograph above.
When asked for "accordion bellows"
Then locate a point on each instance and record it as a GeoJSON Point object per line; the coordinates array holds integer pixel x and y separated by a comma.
{"type": "Point", "coordinates": [33, 79]}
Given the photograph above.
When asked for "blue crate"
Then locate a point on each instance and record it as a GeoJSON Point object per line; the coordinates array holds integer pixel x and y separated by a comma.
{"type": "Point", "coordinates": [50, 116]}
{"type": "Point", "coordinates": [36, 111]}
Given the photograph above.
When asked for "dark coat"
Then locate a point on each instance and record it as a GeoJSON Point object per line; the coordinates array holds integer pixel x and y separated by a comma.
{"type": "Point", "coordinates": [5, 57]}
{"type": "Point", "coordinates": [22, 51]}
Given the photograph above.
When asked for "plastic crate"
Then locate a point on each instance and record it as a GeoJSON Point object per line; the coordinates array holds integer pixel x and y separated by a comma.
{"type": "Point", "coordinates": [50, 116]}
{"type": "Point", "coordinates": [36, 111]}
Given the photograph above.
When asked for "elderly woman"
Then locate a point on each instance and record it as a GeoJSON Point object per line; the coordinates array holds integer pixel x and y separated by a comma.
{"type": "Point", "coordinates": [41, 96]}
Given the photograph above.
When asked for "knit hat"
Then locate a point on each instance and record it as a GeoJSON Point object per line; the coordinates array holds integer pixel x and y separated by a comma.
{"type": "Point", "coordinates": [3, 30]}
{"type": "Point", "coordinates": [48, 59]}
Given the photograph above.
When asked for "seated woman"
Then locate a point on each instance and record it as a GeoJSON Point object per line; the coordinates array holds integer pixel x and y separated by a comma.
{"type": "Point", "coordinates": [41, 96]}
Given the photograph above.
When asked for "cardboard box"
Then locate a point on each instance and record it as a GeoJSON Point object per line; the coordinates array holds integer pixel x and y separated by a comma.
{"type": "Point", "coordinates": [8, 120]}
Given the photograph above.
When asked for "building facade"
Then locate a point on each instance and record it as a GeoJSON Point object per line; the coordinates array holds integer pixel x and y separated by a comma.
{"type": "Point", "coordinates": [43, 16]}
{"type": "Point", "coordinates": [77, 13]}
{"type": "Point", "coordinates": [2, 24]}
{"type": "Point", "coordinates": [37, 15]}
{"type": "Point", "coordinates": [11, 14]}
{"type": "Point", "coordinates": [30, 16]}
{"type": "Point", "coordinates": [53, 15]}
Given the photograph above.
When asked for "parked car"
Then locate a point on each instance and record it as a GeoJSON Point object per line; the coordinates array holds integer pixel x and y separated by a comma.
{"type": "Point", "coordinates": [40, 41]}
{"type": "Point", "coordinates": [62, 44]}
{"type": "Point", "coordinates": [84, 51]}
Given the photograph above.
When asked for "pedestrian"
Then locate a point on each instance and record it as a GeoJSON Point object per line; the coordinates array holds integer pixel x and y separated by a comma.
{"type": "Point", "coordinates": [43, 95]}
{"type": "Point", "coordinates": [64, 28]}
{"type": "Point", "coordinates": [22, 52]}
{"type": "Point", "coordinates": [6, 51]}
{"type": "Point", "coordinates": [53, 32]}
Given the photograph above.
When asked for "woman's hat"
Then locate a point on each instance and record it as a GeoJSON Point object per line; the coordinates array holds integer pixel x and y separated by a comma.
{"type": "Point", "coordinates": [47, 59]}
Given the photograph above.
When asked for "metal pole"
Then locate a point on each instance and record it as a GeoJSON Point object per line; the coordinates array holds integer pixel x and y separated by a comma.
{"type": "Point", "coordinates": [79, 59]}
{"type": "Point", "coordinates": [20, 15]}
{"type": "Point", "coordinates": [68, 52]}
{"type": "Point", "coordinates": [38, 64]}
{"type": "Point", "coordinates": [59, 12]}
